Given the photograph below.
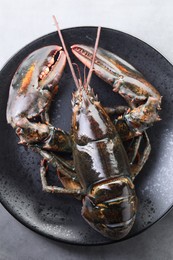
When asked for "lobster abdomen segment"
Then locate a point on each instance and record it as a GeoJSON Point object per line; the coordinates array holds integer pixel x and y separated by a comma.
{"type": "Point", "coordinates": [110, 207]}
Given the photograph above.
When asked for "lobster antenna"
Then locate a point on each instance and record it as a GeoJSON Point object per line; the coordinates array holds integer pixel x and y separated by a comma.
{"type": "Point", "coordinates": [85, 80]}
{"type": "Point", "coordinates": [66, 52]}
{"type": "Point", "coordinates": [78, 70]}
{"type": "Point", "coordinates": [94, 55]}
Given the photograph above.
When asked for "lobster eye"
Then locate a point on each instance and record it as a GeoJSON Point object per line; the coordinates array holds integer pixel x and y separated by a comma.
{"type": "Point", "coordinates": [77, 103]}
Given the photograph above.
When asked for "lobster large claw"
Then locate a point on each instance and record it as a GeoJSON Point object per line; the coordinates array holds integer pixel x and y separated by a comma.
{"type": "Point", "coordinates": [105, 65]}
{"type": "Point", "coordinates": [143, 99]}
{"type": "Point", "coordinates": [40, 71]}
{"type": "Point", "coordinates": [32, 89]}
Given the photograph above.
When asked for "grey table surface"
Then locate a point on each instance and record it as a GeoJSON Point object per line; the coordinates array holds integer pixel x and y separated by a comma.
{"type": "Point", "coordinates": [23, 21]}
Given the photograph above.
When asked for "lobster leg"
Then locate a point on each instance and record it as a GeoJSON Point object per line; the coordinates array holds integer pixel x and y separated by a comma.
{"type": "Point", "coordinates": [135, 144]}
{"type": "Point", "coordinates": [136, 141]}
{"type": "Point", "coordinates": [143, 99]}
{"type": "Point", "coordinates": [65, 170]}
{"type": "Point", "coordinates": [133, 150]}
{"type": "Point", "coordinates": [117, 110]}
{"type": "Point", "coordinates": [136, 167]}
{"type": "Point", "coordinates": [54, 189]}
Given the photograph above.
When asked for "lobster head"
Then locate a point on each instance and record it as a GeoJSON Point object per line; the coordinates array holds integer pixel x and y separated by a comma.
{"type": "Point", "coordinates": [90, 122]}
{"type": "Point", "coordinates": [110, 207]}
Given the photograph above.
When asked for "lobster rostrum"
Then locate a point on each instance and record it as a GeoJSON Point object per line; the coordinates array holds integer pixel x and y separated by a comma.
{"type": "Point", "coordinates": [101, 172]}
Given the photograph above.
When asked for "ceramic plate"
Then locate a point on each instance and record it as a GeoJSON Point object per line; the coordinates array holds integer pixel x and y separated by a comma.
{"type": "Point", "coordinates": [58, 216]}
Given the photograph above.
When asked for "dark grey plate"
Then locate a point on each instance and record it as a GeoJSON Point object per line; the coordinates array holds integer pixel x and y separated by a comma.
{"type": "Point", "coordinates": [58, 216]}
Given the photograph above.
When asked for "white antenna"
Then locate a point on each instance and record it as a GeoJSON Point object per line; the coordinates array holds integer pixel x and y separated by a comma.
{"type": "Point", "coordinates": [66, 52]}
{"type": "Point", "coordinates": [94, 55]}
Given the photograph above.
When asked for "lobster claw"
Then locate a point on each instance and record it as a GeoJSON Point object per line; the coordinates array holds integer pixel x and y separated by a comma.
{"type": "Point", "coordinates": [55, 60]}
{"type": "Point", "coordinates": [107, 66]}
{"type": "Point", "coordinates": [42, 67]}
{"type": "Point", "coordinates": [41, 70]}
{"type": "Point", "coordinates": [121, 75]}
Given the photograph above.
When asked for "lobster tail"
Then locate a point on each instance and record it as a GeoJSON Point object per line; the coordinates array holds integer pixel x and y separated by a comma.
{"type": "Point", "coordinates": [110, 207]}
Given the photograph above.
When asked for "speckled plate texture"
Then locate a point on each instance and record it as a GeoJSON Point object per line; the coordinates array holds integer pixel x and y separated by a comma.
{"type": "Point", "coordinates": [58, 216]}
